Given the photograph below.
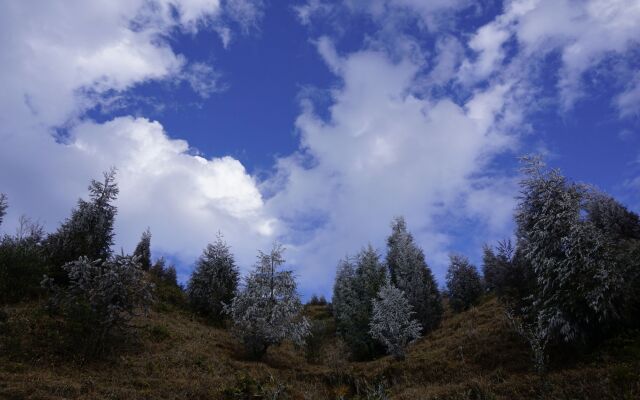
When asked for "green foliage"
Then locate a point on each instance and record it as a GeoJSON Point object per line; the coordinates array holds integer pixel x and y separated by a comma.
{"type": "Point", "coordinates": [463, 283]}
{"type": "Point", "coordinates": [354, 292]}
{"type": "Point", "coordinates": [410, 273]}
{"type": "Point", "coordinates": [214, 281]}
{"type": "Point", "coordinates": [22, 263]}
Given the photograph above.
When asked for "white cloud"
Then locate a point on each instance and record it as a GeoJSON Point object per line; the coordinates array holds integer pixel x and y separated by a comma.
{"type": "Point", "coordinates": [58, 58]}
{"type": "Point", "coordinates": [385, 152]}
{"type": "Point", "coordinates": [584, 32]}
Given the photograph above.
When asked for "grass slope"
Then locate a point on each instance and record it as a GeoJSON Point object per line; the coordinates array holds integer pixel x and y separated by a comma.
{"type": "Point", "coordinates": [473, 355]}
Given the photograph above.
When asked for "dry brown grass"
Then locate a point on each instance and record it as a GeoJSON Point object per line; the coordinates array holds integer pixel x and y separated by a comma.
{"type": "Point", "coordinates": [473, 355]}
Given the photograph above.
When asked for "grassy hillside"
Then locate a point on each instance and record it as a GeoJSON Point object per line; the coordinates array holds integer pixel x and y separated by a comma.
{"type": "Point", "coordinates": [473, 355]}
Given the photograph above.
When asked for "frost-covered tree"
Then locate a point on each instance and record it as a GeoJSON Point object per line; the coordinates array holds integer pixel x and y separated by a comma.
{"type": "Point", "coordinates": [392, 321]}
{"type": "Point", "coordinates": [3, 206]}
{"type": "Point", "coordinates": [143, 250]}
{"type": "Point", "coordinates": [268, 308]}
{"type": "Point", "coordinates": [463, 283]}
{"type": "Point", "coordinates": [214, 281]}
{"type": "Point", "coordinates": [410, 273]}
{"type": "Point", "coordinates": [88, 231]}
{"type": "Point", "coordinates": [99, 299]}
{"type": "Point", "coordinates": [580, 282]}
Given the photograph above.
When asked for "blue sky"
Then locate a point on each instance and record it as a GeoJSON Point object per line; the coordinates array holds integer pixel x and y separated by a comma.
{"type": "Point", "coordinates": [314, 122]}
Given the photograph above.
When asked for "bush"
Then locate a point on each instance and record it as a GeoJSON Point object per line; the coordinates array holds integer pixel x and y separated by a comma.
{"type": "Point", "coordinates": [463, 283]}
{"type": "Point", "coordinates": [317, 301]}
{"type": "Point", "coordinates": [22, 263]}
{"type": "Point", "coordinates": [99, 300]}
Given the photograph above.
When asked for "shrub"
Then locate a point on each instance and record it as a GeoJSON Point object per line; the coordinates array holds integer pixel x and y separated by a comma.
{"type": "Point", "coordinates": [100, 299]}
{"type": "Point", "coordinates": [22, 262]}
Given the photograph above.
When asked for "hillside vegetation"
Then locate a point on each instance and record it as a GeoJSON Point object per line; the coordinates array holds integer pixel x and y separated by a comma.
{"type": "Point", "coordinates": [472, 355]}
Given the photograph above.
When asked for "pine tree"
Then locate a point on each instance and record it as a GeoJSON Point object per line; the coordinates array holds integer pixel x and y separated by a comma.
{"type": "Point", "coordinates": [88, 231]}
{"type": "Point", "coordinates": [3, 206]}
{"type": "Point", "coordinates": [214, 281]}
{"type": "Point", "coordinates": [268, 309]}
{"type": "Point", "coordinates": [463, 283]}
{"type": "Point", "coordinates": [508, 275]}
{"type": "Point", "coordinates": [410, 273]}
{"type": "Point", "coordinates": [143, 250]}
{"type": "Point", "coordinates": [392, 322]}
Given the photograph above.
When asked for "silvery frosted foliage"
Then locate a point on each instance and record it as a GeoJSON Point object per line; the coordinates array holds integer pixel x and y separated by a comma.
{"type": "Point", "coordinates": [392, 321]}
{"type": "Point", "coordinates": [3, 206]}
{"type": "Point", "coordinates": [463, 283]}
{"type": "Point", "coordinates": [89, 230]}
{"type": "Point", "coordinates": [268, 309]}
{"type": "Point", "coordinates": [214, 281]}
{"type": "Point", "coordinates": [579, 279]}
{"type": "Point", "coordinates": [410, 273]}
{"type": "Point", "coordinates": [143, 250]}
{"type": "Point", "coordinates": [101, 297]}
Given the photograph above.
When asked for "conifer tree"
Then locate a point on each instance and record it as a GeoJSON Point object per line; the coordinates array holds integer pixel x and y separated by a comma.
{"type": "Point", "coordinates": [392, 321]}
{"type": "Point", "coordinates": [268, 309]}
{"type": "Point", "coordinates": [580, 281]}
{"type": "Point", "coordinates": [463, 283]}
{"type": "Point", "coordinates": [344, 296]}
{"type": "Point", "coordinates": [88, 231]}
{"type": "Point", "coordinates": [410, 273]}
{"type": "Point", "coordinates": [214, 281]}
{"type": "Point", "coordinates": [143, 250]}
{"type": "Point", "coordinates": [357, 289]}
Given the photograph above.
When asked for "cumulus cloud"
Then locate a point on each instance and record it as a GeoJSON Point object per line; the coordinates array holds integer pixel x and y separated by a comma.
{"type": "Point", "coordinates": [58, 60]}
{"type": "Point", "coordinates": [385, 152]}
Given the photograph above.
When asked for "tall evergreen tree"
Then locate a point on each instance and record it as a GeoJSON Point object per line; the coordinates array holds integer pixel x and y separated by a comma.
{"type": "Point", "coordinates": [88, 231]}
{"type": "Point", "coordinates": [214, 281]}
{"type": "Point", "coordinates": [344, 296]}
{"type": "Point", "coordinates": [143, 250]}
{"type": "Point", "coordinates": [268, 309]}
{"type": "Point", "coordinates": [580, 282]}
{"type": "Point", "coordinates": [410, 273]}
{"type": "Point", "coordinates": [463, 283]}
{"type": "Point", "coordinates": [356, 302]}
{"type": "Point", "coordinates": [3, 206]}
